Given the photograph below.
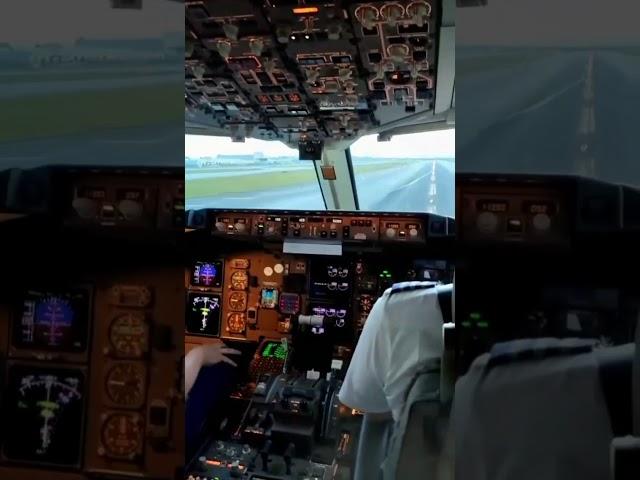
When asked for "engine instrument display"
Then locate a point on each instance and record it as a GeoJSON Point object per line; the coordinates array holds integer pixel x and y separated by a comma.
{"type": "Point", "coordinates": [236, 322]}
{"type": "Point", "coordinates": [122, 435]}
{"type": "Point", "coordinates": [207, 274]}
{"type": "Point", "coordinates": [53, 321]}
{"type": "Point", "coordinates": [238, 301]}
{"type": "Point", "coordinates": [126, 382]}
{"type": "Point", "coordinates": [129, 336]}
{"type": "Point", "coordinates": [45, 405]}
{"type": "Point", "coordinates": [239, 280]}
{"type": "Point", "coordinates": [203, 314]}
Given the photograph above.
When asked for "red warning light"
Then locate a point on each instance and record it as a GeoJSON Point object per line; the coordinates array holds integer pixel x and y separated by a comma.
{"type": "Point", "coordinates": [294, 97]}
{"type": "Point", "coordinates": [264, 99]}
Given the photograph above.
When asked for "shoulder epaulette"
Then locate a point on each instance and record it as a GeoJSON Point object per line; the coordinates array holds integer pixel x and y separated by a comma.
{"type": "Point", "coordinates": [410, 286]}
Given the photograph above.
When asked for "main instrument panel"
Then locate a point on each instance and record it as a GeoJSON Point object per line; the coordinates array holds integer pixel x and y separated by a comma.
{"type": "Point", "coordinates": [313, 71]}
{"type": "Point", "coordinates": [82, 378]}
{"type": "Point", "coordinates": [270, 284]}
{"type": "Point", "coordinates": [91, 371]}
{"type": "Point", "coordinates": [564, 243]}
{"type": "Point", "coordinates": [292, 277]}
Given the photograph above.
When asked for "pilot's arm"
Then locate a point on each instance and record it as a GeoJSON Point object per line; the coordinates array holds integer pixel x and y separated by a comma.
{"type": "Point", "coordinates": [403, 331]}
{"type": "Point", "coordinates": [363, 388]}
{"type": "Point", "coordinates": [202, 356]}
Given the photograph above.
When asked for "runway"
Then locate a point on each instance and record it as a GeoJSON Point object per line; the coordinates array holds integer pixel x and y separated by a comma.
{"type": "Point", "coordinates": [424, 186]}
{"type": "Point", "coordinates": [552, 115]}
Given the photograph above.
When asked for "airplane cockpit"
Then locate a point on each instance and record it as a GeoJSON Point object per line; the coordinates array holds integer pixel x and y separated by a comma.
{"type": "Point", "coordinates": [319, 172]}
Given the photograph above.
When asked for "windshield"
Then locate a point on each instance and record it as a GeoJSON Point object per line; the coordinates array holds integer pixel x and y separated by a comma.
{"type": "Point", "coordinates": [91, 84]}
{"type": "Point", "coordinates": [220, 173]}
{"type": "Point", "coordinates": [409, 173]}
{"type": "Point", "coordinates": [561, 98]}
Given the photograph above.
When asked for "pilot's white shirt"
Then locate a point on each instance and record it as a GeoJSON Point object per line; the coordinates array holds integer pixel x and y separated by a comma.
{"type": "Point", "coordinates": [404, 329]}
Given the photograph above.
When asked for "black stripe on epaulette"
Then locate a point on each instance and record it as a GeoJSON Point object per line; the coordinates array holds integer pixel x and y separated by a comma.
{"type": "Point", "coordinates": [410, 286]}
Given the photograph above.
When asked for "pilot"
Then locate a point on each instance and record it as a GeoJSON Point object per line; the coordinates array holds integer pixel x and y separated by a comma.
{"type": "Point", "coordinates": [404, 330]}
{"type": "Point", "coordinates": [203, 356]}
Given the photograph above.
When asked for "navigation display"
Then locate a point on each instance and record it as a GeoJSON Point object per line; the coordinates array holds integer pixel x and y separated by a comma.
{"type": "Point", "coordinates": [207, 274]}
{"type": "Point", "coordinates": [53, 321]}
{"type": "Point", "coordinates": [44, 409]}
{"type": "Point", "coordinates": [203, 314]}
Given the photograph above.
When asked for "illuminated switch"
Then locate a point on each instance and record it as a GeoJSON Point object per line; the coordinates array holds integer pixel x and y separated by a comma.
{"type": "Point", "coordinates": [108, 211]}
{"type": "Point", "coordinates": [514, 225]}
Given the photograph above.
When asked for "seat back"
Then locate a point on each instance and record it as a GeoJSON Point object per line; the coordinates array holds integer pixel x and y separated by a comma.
{"type": "Point", "coordinates": [533, 409]}
{"type": "Point", "coordinates": [418, 439]}
{"type": "Point", "coordinates": [372, 448]}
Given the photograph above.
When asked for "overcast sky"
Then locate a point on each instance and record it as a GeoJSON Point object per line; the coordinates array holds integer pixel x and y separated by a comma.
{"type": "Point", "coordinates": [63, 21]}
{"type": "Point", "coordinates": [420, 145]}
{"type": "Point", "coordinates": [549, 23]}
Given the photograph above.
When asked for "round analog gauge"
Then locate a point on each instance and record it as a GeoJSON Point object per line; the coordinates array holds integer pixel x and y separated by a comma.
{"type": "Point", "coordinates": [129, 335]}
{"type": "Point", "coordinates": [126, 384]}
{"type": "Point", "coordinates": [239, 280]}
{"type": "Point", "coordinates": [238, 301]}
{"type": "Point", "coordinates": [122, 435]}
{"type": "Point", "coordinates": [236, 322]}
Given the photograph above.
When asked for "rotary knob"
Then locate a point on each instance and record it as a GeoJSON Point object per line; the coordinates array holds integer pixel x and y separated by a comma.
{"type": "Point", "coordinates": [85, 207]}
{"type": "Point", "coordinates": [231, 31]}
{"type": "Point", "coordinates": [220, 226]}
{"type": "Point", "coordinates": [392, 13]}
{"type": "Point", "coordinates": [487, 222]}
{"type": "Point", "coordinates": [367, 15]}
{"type": "Point", "coordinates": [130, 209]}
{"type": "Point", "coordinates": [542, 222]}
{"type": "Point", "coordinates": [391, 232]}
{"type": "Point", "coordinates": [240, 227]}
{"type": "Point", "coordinates": [256, 46]}
{"type": "Point", "coordinates": [419, 12]}
{"type": "Point", "coordinates": [413, 232]}
{"type": "Point", "coordinates": [224, 49]}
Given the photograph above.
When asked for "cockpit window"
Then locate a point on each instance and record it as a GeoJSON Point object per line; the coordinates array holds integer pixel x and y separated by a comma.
{"type": "Point", "coordinates": [409, 173]}
{"type": "Point", "coordinates": [90, 84]}
{"type": "Point", "coordinates": [220, 173]}
{"type": "Point", "coordinates": [558, 103]}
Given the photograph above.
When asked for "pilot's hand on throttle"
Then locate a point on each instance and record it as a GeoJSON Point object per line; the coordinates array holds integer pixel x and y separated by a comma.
{"type": "Point", "coordinates": [215, 353]}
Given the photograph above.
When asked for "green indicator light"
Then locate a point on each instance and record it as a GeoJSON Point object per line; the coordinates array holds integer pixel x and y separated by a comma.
{"type": "Point", "coordinates": [475, 316]}
{"type": "Point", "coordinates": [483, 324]}
{"type": "Point", "coordinates": [466, 324]}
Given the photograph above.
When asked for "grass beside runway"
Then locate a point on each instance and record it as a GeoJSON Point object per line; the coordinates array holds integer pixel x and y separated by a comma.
{"type": "Point", "coordinates": [85, 112]}
{"type": "Point", "coordinates": [214, 187]}
{"type": "Point", "coordinates": [69, 75]}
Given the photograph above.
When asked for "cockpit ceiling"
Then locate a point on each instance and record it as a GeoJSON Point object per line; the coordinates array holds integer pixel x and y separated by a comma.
{"type": "Point", "coordinates": [325, 70]}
